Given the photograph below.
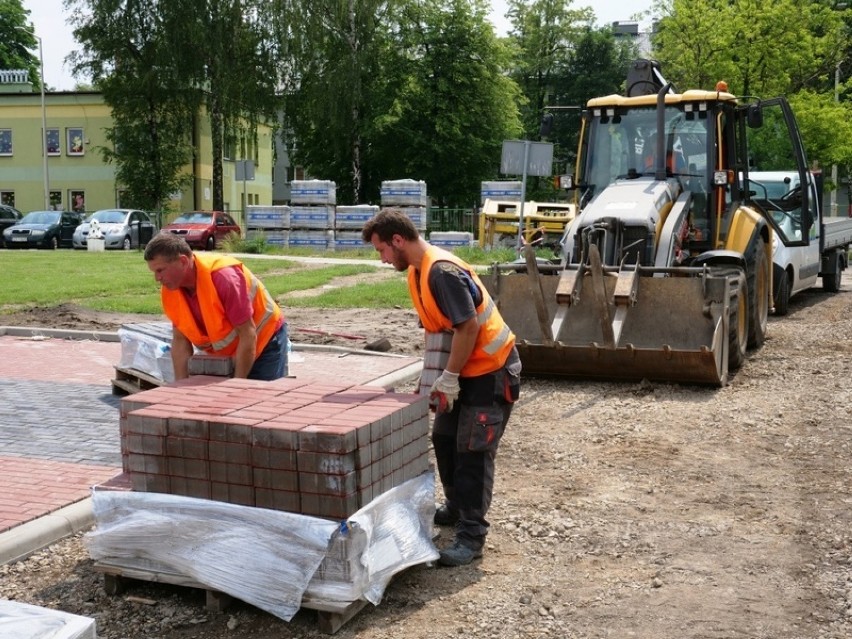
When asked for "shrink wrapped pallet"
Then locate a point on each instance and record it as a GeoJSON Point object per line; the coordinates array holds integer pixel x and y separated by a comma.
{"type": "Point", "coordinates": [267, 217]}
{"type": "Point", "coordinates": [267, 558]}
{"type": "Point", "coordinates": [313, 192]}
{"type": "Point", "coordinates": [404, 193]}
{"type": "Point", "coordinates": [503, 190]}
{"type": "Point", "coordinates": [24, 621]}
{"type": "Point", "coordinates": [354, 217]}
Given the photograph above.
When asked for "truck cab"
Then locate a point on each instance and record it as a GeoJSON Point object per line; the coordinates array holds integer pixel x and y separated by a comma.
{"type": "Point", "coordinates": [796, 243]}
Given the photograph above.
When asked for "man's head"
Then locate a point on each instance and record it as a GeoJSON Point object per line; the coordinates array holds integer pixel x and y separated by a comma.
{"type": "Point", "coordinates": [170, 259]}
{"type": "Point", "coordinates": [391, 232]}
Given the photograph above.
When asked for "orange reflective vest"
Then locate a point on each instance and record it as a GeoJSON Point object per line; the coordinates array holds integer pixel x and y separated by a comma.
{"type": "Point", "coordinates": [221, 337]}
{"type": "Point", "coordinates": [495, 340]}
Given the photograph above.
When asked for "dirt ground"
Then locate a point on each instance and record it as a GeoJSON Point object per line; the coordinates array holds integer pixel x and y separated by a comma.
{"type": "Point", "coordinates": [646, 510]}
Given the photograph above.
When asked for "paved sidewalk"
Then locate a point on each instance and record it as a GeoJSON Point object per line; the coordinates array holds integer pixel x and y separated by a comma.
{"type": "Point", "coordinates": [58, 435]}
{"type": "Point", "coordinates": [59, 431]}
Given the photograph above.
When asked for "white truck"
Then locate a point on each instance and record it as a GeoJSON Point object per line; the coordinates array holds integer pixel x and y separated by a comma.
{"type": "Point", "coordinates": [805, 245]}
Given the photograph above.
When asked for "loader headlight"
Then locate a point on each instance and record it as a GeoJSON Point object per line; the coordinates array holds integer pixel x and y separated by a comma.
{"type": "Point", "coordinates": [721, 178]}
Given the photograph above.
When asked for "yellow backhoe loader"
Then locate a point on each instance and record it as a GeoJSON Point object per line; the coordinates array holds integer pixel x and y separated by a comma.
{"type": "Point", "coordinates": [666, 269]}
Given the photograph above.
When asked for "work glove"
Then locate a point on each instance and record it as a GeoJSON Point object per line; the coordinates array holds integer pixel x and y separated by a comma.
{"type": "Point", "coordinates": [444, 392]}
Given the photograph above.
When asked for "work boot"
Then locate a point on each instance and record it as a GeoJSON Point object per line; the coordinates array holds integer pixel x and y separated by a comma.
{"type": "Point", "coordinates": [445, 515]}
{"type": "Point", "coordinates": [459, 554]}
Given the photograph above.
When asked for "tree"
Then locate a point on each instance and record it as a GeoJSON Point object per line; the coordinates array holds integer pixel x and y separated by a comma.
{"type": "Point", "coordinates": [400, 89]}
{"type": "Point", "coordinates": [17, 40]}
{"type": "Point", "coordinates": [335, 60]}
{"type": "Point", "coordinates": [764, 48]}
{"type": "Point", "coordinates": [124, 53]}
{"type": "Point", "coordinates": [543, 35]}
{"type": "Point", "coordinates": [759, 47]}
{"type": "Point", "coordinates": [562, 60]}
{"type": "Point", "coordinates": [219, 50]}
{"type": "Point", "coordinates": [450, 105]}
{"type": "Point", "coordinates": [162, 63]}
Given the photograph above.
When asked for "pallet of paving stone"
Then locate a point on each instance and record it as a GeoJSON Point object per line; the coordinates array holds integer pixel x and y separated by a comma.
{"type": "Point", "coordinates": [331, 615]}
{"type": "Point", "coordinates": [293, 561]}
{"type": "Point", "coordinates": [129, 380]}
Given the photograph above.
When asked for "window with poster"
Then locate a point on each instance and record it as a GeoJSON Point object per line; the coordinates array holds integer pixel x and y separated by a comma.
{"type": "Point", "coordinates": [75, 141]}
{"type": "Point", "coordinates": [7, 198]}
{"type": "Point", "coordinates": [56, 200]}
{"type": "Point", "coordinates": [5, 141]}
{"type": "Point", "coordinates": [77, 200]}
{"type": "Point", "coordinates": [53, 142]}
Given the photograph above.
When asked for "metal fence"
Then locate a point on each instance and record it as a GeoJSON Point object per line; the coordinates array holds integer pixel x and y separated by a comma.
{"type": "Point", "coordinates": [452, 220]}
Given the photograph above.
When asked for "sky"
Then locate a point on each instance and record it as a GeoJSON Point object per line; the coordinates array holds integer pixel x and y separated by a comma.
{"type": "Point", "coordinates": [49, 18]}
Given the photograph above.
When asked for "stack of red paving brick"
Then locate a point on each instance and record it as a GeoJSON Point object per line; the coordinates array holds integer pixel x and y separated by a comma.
{"type": "Point", "coordinates": [302, 446]}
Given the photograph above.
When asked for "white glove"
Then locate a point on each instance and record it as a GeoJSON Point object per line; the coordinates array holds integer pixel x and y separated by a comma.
{"type": "Point", "coordinates": [445, 391]}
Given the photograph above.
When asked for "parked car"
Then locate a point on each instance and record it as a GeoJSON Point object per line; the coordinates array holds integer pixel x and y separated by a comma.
{"type": "Point", "coordinates": [120, 228]}
{"type": "Point", "coordinates": [42, 229]}
{"type": "Point", "coordinates": [203, 229]}
{"type": "Point", "coordinates": [8, 216]}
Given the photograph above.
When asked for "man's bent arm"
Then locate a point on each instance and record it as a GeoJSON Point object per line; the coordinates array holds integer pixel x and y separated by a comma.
{"type": "Point", "coordinates": [181, 352]}
{"type": "Point", "coordinates": [244, 357]}
{"type": "Point", "coordinates": [464, 339]}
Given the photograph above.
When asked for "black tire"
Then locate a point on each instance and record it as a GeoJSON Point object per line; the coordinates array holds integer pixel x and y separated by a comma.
{"type": "Point", "coordinates": [126, 243]}
{"type": "Point", "coordinates": [53, 244]}
{"type": "Point", "coordinates": [211, 243]}
{"type": "Point", "coordinates": [759, 274]}
{"type": "Point", "coordinates": [738, 323]}
{"type": "Point", "coordinates": [831, 280]}
{"type": "Point", "coordinates": [781, 291]}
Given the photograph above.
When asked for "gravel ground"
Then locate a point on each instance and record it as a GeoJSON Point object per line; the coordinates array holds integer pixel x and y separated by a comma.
{"type": "Point", "coordinates": [621, 510]}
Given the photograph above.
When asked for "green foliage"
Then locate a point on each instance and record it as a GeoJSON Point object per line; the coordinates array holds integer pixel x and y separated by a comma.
{"type": "Point", "coordinates": [233, 243]}
{"type": "Point", "coordinates": [759, 47]}
{"type": "Point", "coordinates": [826, 128]}
{"type": "Point", "coordinates": [764, 48]}
{"type": "Point", "coordinates": [419, 92]}
{"type": "Point", "coordinates": [160, 65]}
{"type": "Point", "coordinates": [561, 60]}
{"type": "Point", "coordinates": [17, 41]}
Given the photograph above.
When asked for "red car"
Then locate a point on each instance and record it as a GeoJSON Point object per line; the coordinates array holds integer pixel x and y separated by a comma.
{"type": "Point", "coordinates": [203, 229]}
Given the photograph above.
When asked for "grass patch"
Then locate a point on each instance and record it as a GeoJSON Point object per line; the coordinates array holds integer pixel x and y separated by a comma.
{"type": "Point", "coordinates": [388, 294]}
{"type": "Point", "coordinates": [120, 282]}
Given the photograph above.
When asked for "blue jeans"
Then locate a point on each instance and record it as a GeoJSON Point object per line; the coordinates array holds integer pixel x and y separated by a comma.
{"type": "Point", "coordinates": [272, 362]}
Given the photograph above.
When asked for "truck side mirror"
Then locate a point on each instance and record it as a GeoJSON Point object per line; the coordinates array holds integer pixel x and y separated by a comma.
{"type": "Point", "coordinates": [754, 116]}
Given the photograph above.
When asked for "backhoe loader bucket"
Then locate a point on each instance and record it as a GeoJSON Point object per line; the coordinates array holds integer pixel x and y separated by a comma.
{"type": "Point", "coordinates": [667, 325]}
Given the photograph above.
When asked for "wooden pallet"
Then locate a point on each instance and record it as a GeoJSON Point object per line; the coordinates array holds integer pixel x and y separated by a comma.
{"type": "Point", "coordinates": [331, 615]}
{"type": "Point", "coordinates": [129, 380]}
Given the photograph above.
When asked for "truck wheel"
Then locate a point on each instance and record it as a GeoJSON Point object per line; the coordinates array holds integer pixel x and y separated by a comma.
{"type": "Point", "coordinates": [759, 275]}
{"type": "Point", "coordinates": [782, 291]}
{"type": "Point", "coordinates": [831, 280]}
{"type": "Point", "coordinates": [738, 323]}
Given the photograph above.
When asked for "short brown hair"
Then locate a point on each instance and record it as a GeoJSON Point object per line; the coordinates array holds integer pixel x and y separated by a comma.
{"type": "Point", "coordinates": [387, 223]}
{"type": "Point", "coordinates": [167, 245]}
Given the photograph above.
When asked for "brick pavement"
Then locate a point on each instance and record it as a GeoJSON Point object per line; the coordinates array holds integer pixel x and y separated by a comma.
{"type": "Point", "coordinates": [58, 423]}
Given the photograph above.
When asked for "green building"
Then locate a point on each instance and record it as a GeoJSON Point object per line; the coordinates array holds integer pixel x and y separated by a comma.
{"type": "Point", "coordinates": [77, 176]}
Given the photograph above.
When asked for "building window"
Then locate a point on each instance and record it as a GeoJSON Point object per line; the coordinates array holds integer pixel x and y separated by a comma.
{"type": "Point", "coordinates": [56, 201]}
{"type": "Point", "coordinates": [5, 141]}
{"type": "Point", "coordinates": [52, 140]}
{"type": "Point", "coordinates": [7, 198]}
{"type": "Point", "coordinates": [78, 201]}
{"type": "Point", "coordinates": [75, 141]}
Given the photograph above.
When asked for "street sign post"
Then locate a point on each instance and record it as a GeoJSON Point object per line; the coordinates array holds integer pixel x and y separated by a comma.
{"type": "Point", "coordinates": [522, 157]}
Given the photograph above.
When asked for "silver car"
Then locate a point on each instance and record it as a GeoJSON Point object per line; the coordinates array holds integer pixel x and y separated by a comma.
{"type": "Point", "coordinates": [120, 228]}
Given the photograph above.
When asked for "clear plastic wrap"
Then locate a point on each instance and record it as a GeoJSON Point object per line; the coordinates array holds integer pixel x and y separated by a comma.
{"type": "Point", "coordinates": [24, 621]}
{"type": "Point", "coordinates": [267, 558]}
{"type": "Point", "coordinates": [146, 348]}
